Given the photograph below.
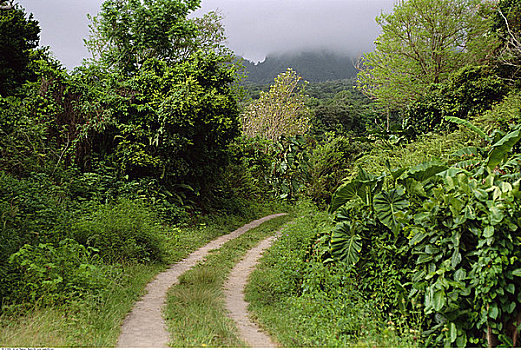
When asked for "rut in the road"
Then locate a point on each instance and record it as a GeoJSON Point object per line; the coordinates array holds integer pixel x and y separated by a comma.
{"type": "Point", "coordinates": [144, 326]}
{"type": "Point", "coordinates": [235, 303]}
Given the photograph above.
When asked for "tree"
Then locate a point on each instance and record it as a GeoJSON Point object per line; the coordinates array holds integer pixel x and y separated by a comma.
{"type": "Point", "coordinates": [279, 112]}
{"type": "Point", "coordinates": [18, 37]}
{"type": "Point", "coordinates": [507, 24]}
{"type": "Point", "coordinates": [128, 32]}
{"type": "Point", "coordinates": [423, 41]}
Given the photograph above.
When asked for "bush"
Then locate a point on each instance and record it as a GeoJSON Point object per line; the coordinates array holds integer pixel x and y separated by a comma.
{"type": "Point", "coordinates": [32, 210]}
{"type": "Point", "coordinates": [125, 232]}
{"type": "Point", "coordinates": [52, 274]}
{"type": "Point", "coordinates": [328, 164]}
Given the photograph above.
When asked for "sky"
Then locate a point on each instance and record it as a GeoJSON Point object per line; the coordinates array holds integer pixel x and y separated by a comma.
{"type": "Point", "coordinates": [254, 28]}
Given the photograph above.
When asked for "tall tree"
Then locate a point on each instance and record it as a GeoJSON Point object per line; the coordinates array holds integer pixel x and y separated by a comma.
{"type": "Point", "coordinates": [19, 35]}
{"type": "Point", "coordinates": [128, 32]}
{"type": "Point", "coordinates": [279, 112]}
{"type": "Point", "coordinates": [422, 42]}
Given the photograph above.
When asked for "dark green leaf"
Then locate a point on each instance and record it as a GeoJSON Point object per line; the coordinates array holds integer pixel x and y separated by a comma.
{"type": "Point", "coordinates": [345, 244]}
{"type": "Point", "coordinates": [493, 311]}
{"type": "Point", "coordinates": [344, 194]}
{"type": "Point", "coordinates": [439, 300]}
{"type": "Point", "coordinates": [453, 331]}
{"type": "Point", "coordinates": [517, 272]}
{"type": "Point", "coordinates": [488, 231]}
{"type": "Point", "coordinates": [388, 204]}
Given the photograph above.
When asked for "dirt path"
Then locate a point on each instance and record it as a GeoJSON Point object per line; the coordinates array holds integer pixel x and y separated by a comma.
{"type": "Point", "coordinates": [144, 326]}
{"type": "Point", "coordinates": [235, 303]}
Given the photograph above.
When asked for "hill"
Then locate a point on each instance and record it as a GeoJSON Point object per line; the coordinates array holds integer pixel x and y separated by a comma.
{"type": "Point", "coordinates": [313, 66]}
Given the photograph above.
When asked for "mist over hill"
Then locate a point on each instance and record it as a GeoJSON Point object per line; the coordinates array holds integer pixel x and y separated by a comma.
{"type": "Point", "coordinates": [313, 66]}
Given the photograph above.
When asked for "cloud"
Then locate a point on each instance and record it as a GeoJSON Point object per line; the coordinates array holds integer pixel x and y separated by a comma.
{"type": "Point", "coordinates": [254, 28]}
{"type": "Point", "coordinates": [257, 28]}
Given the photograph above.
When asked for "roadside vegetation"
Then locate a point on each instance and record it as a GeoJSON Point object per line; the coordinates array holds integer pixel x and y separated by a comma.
{"type": "Point", "coordinates": [406, 188]}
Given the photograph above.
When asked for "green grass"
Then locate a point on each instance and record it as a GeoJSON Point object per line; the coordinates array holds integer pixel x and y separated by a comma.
{"type": "Point", "coordinates": [91, 322]}
{"type": "Point", "coordinates": [94, 321]}
{"type": "Point", "coordinates": [302, 303]}
{"type": "Point", "coordinates": [195, 313]}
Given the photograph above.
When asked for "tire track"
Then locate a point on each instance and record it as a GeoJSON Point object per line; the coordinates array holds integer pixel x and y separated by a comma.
{"type": "Point", "coordinates": [235, 303]}
{"type": "Point", "coordinates": [144, 326]}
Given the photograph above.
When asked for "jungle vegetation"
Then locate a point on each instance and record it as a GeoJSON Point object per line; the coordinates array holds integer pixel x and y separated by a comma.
{"type": "Point", "coordinates": [406, 178]}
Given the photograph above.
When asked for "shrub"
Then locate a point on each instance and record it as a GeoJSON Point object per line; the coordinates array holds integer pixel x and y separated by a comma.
{"type": "Point", "coordinates": [125, 232]}
{"type": "Point", "coordinates": [328, 164]}
{"type": "Point", "coordinates": [52, 274]}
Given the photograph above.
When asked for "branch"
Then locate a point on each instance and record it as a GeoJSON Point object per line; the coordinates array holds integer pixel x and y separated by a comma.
{"type": "Point", "coordinates": [512, 36]}
{"type": "Point", "coordinates": [9, 4]}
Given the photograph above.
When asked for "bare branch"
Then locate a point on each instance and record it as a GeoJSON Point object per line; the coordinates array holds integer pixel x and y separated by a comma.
{"type": "Point", "coordinates": [6, 4]}
{"type": "Point", "coordinates": [512, 36]}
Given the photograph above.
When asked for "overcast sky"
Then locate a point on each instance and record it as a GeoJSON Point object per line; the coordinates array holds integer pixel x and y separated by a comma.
{"type": "Point", "coordinates": [254, 28]}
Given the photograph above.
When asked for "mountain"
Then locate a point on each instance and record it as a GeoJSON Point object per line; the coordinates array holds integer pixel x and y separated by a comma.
{"type": "Point", "coordinates": [313, 66]}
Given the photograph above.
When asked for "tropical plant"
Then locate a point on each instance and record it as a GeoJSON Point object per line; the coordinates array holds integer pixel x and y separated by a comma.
{"type": "Point", "coordinates": [460, 222]}
{"type": "Point", "coordinates": [290, 168]}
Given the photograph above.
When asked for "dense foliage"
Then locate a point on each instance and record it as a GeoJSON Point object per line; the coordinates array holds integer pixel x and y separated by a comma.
{"type": "Point", "coordinates": [98, 160]}
{"type": "Point", "coordinates": [101, 166]}
{"type": "Point", "coordinates": [423, 41]}
{"type": "Point", "coordinates": [19, 35]}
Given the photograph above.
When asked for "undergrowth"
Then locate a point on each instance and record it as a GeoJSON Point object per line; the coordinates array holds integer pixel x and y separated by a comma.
{"type": "Point", "coordinates": [322, 306]}
{"type": "Point", "coordinates": [94, 319]}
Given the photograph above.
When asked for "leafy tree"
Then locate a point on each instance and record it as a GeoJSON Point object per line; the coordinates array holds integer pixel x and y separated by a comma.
{"type": "Point", "coordinates": [171, 123]}
{"type": "Point", "coordinates": [423, 41]}
{"type": "Point", "coordinates": [128, 32]}
{"type": "Point", "coordinates": [18, 37]}
{"type": "Point", "coordinates": [343, 113]}
{"type": "Point", "coordinates": [281, 111]}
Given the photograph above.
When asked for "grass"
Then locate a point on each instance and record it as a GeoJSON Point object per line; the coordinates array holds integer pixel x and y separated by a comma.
{"type": "Point", "coordinates": [195, 312]}
{"type": "Point", "coordinates": [91, 322]}
{"type": "Point", "coordinates": [94, 321]}
{"type": "Point", "coordinates": [321, 306]}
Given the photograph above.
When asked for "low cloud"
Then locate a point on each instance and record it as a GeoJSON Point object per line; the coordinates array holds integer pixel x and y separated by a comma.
{"type": "Point", "coordinates": [254, 28]}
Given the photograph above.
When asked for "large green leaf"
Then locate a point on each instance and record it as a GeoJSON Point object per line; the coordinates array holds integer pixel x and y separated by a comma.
{"type": "Point", "coordinates": [345, 243]}
{"type": "Point", "coordinates": [424, 171]}
{"type": "Point", "coordinates": [468, 125]}
{"type": "Point", "coordinates": [387, 204]}
{"type": "Point", "coordinates": [501, 148]}
{"type": "Point", "coordinates": [344, 194]}
{"type": "Point", "coordinates": [363, 187]}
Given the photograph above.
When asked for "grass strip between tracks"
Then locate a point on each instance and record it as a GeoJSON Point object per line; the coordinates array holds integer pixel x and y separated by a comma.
{"type": "Point", "coordinates": [95, 321]}
{"type": "Point", "coordinates": [195, 312]}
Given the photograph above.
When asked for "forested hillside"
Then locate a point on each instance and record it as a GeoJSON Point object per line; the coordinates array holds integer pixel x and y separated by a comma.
{"type": "Point", "coordinates": [313, 66]}
{"type": "Point", "coordinates": [404, 179]}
